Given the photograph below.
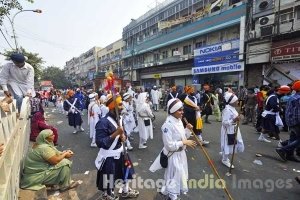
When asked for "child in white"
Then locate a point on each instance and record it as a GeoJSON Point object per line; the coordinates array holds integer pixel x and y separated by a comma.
{"type": "Point", "coordinates": [93, 117]}
{"type": "Point", "coordinates": [144, 115]}
{"type": "Point", "coordinates": [175, 141]}
{"type": "Point", "coordinates": [229, 118]}
{"type": "Point", "coordinates": [128, 118]}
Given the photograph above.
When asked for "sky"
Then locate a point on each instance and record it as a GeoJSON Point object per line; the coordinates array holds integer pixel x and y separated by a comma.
{"type": "Point", "coordinates": [67, 28]}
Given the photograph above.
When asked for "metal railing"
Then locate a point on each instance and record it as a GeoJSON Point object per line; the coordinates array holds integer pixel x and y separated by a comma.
{"type": "Point", "coordinates": [14, 133]}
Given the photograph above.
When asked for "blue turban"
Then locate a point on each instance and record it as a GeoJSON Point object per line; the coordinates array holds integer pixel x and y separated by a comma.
{"type": "Point", "coordinates": [17, 57]}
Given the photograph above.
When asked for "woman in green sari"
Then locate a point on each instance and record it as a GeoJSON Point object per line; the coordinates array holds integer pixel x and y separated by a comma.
{"type": "Point", "coordinates": [45, 165]}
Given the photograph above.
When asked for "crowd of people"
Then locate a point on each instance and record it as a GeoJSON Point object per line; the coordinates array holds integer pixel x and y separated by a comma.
{"type": "Point", "coordinates": [114, 115]}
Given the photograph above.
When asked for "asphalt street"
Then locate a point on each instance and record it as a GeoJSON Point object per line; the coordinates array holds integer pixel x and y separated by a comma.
{"type": "Point", "coordinates": [269, 179]}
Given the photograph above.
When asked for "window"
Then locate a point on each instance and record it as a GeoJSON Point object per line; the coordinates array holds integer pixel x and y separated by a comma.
{"type": "Point", "coordinates": [187, 49]}
{"type": "Point", "coordinates": [286, 17]}
{"type": "Point", "coordinates": [200, 44]}
{"type": "Point", "coordinates": [173, 50]}
{"type": "Point", "coordinates": [165, 54]}
{"type": "Point", "coordinates": [298, 13]}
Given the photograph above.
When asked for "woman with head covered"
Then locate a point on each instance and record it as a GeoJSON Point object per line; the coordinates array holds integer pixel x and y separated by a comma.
{"type": "Point", "coordinates": [175, 141]}
{"type": "Point", "coordinates": [229, 119]}
{"type": "Point", "coordinates": [45, 165]}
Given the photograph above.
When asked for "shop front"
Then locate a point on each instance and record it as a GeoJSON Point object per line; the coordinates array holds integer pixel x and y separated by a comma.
{"type": "Point", "coordinates": [167, 75]}
{"type": "Point", "coordinates": [218, 65]}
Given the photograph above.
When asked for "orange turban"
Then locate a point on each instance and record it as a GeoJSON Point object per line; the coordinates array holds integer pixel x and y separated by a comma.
{"type": "Point", "coordinates": [70, 93]}
{"type": "Point", "coordinates": [111, 104]}
{"type": "Point", "coordinates": [188, 89]}
{"type": "Point", "coordinates": [296, 86]}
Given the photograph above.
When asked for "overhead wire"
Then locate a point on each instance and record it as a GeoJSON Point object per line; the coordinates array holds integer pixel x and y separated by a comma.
{"type": "Point", "coordinates": [5, 38]}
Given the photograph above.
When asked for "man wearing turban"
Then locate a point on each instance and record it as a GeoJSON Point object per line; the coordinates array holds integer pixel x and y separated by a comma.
{"type": "Point", "coordinates": [17, 77]}
{"type": "Point", "coordinates": [110, 161]}
{"type": "Point", "coordinates": [192, 112]}
{"type": "Point", "coordinates": [292, 117]}
{"type": "Point", "coordinates": [72, 106]}
{"type": "Point", "coordinates": [207, 102]}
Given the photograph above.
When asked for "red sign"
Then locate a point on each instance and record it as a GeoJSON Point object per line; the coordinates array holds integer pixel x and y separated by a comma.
{"type": "Point", "coordinates": [283, 51]}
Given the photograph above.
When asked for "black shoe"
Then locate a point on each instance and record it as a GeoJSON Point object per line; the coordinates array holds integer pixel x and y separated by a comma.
{"type": "Point", "coordinates": [292, 158]}
{"type": "Point", "coordinates": [245, 123]}
{"type": "Point", "coordinates": [281, 153]}
{"type": "Point", "coordinates": [298, 179]}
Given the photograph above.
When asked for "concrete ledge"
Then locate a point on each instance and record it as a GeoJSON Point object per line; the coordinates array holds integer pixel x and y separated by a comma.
{"type": "Point", "coordinates": [33, 195]}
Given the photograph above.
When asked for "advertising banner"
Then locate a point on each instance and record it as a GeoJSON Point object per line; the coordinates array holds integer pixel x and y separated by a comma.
{"type": "Point", "coordinates": [228, 67]}
{"type": "Point", "coordinates": [217, 58]}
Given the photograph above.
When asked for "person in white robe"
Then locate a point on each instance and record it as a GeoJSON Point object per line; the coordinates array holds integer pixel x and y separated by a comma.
{"type": "Point", "coordinates": [229, 119]}
{"type": "Point", "coordinates": [93, 117]}
{"type": "Point", "coordinates": [155, 98]}
{"type": "Point", "coordinates": [144, 115]}
{"type": "Point", "coordinates": [128, 118]}
{"type": "Point", "coordinates": [175, 141]}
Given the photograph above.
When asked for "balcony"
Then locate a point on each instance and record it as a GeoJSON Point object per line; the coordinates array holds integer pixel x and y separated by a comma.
{"type": "Point", "coordinates": [201, 27]}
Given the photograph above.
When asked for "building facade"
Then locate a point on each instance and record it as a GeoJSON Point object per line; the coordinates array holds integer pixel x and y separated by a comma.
{"type": "Point", "coordinates": [273, 46]}
{"type": "Point", "coordinates": [81, 70]}
{"type": "Point", "coordinates": [163, 46]}
{"type": "Point", "coordinates": [109, 60]}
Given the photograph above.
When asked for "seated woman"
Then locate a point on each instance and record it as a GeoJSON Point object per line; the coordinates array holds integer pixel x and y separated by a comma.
{"type": "Point", "coordinates": [45, 165]}
{"type": "Point", "coordinates": [38, 124]}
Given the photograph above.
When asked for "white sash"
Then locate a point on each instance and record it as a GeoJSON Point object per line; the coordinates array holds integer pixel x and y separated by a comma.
{"type": "Point", "coordinates": [72, 109]}
{"type": "Point", "coordinates": [103, 153]}
{"type": "Point", "coordinates": [173, 96]}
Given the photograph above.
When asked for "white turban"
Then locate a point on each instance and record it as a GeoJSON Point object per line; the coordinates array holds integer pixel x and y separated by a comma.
{"type": "Point", "coordinates": [174, 105]}
{"type": "Point", "coordinates": [126, 96]}
{"type": "Point", "coordinates": [230, 98]}
{"type": "Point", "coordinates": [92, 96]}
{"type": "Point", "coordinates": [103, 99]}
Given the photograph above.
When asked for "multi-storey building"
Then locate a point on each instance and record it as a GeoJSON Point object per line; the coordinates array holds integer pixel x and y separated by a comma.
{"type": "Point", "coordinates": [109, 59]}
{"type": "Point", "coordinates": [165, 46]}
{"type": "Point", "coordinates": [273, 47]}
{"type": "Point", "coordinates": [81, 70]}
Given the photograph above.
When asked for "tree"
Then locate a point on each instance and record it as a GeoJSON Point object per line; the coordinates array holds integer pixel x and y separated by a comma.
{"type": "Point", "coordinates": [7, 5]}
{"type": "Point", "coordinates": [57, 76]}
{"type": "Point", "coordinates": [33, 59]}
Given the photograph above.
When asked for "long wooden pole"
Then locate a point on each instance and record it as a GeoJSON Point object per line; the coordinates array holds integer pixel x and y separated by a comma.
{"type": "Point", "coordinates": [210, 162]}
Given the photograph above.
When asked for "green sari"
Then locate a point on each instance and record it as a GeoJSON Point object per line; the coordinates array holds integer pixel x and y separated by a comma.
{"type": "Point", "coordinates": [38, 172]}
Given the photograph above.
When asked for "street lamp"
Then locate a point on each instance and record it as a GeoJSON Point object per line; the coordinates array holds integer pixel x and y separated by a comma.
{"type": "Point", "coordinates": [12, 24]}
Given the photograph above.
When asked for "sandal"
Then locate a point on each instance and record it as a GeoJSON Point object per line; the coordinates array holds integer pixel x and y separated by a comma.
{"type": "Point", "coordinates": [71, 186]}
{"type": "Point", "coordinates": [130, 194]}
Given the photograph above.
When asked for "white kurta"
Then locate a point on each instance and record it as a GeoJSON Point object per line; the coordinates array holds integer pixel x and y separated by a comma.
{"type": "Point", "coordinates": [228, 114]}
{"type": "Point", "coordinates": [93, 117]}
{"type": "Point", "coordinates": [155, 96]}
{"type": "Point", "coordinates": [128, 118]}
{"type": "Point", "coordinates": [145, 113]}
{"type": "Point", "coordinates": [177, 170]}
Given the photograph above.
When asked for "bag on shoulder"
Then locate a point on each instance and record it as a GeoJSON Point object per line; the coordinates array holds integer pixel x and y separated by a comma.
{"type": "Point", "coordinates": [231, 139]}
{"type": "Point", "coordinates": [147, 122]}
{"type": "Point", "coordinates": [163, 160]}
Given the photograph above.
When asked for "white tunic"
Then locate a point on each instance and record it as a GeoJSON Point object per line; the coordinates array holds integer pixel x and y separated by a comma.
{"type": "Point", "coordinates": [145, 113]}
{"type": "Point", "coordinates": [228, 114]}
{"type": "Point", "coordinates": [155, 96]}
{"type": "Point", "coordinates": [177, 170]}
{"type": "Point", "coordinates": [93, 117]}
{"type": "Point", "coordinates": [128, 118]}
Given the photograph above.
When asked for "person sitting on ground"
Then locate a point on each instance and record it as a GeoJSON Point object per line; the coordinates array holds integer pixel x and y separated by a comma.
{"type": "Point", "coordinates": [38, 124]}
{"type": "Point", "coordinates": [45, 165]}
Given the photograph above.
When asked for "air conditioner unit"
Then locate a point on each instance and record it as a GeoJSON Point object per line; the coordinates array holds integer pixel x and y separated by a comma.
{"type": "Point", "coordinates": [262, 7]}
{"type": "Point", "coordinates": [266, 21]}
